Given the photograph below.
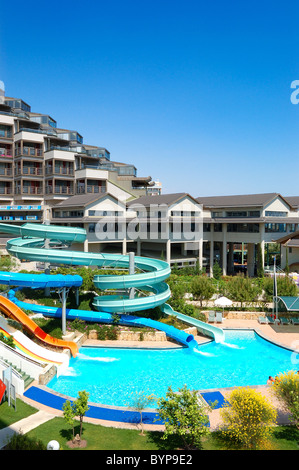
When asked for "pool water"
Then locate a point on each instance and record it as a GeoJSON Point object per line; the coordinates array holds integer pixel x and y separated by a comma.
{"type": "Point", "coordinates": [112, 376]}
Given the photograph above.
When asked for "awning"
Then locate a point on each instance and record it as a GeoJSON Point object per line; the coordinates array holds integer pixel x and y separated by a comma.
{"type": "Point", "coordinates": [291, 303]}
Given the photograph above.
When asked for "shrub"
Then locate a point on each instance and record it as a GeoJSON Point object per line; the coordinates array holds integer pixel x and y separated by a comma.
{"type": "Point", "coordinates": [184, 416]}
{"type": "Point", "coordinates": [202, 288]}
{"type": "Point", "coordinates": [286, 389]}
{"type": "Point", "coordinates": [23, 442]}
{"type": "Point", "coordinates": [248, 418]}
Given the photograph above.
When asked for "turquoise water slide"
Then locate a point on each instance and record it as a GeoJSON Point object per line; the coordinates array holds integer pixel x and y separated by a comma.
{"type": "Point", "coordinates": [149, 277]}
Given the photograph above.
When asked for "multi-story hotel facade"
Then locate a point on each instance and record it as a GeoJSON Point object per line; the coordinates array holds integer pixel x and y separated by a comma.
{"type": "Point", "coordinates": [48, 174]}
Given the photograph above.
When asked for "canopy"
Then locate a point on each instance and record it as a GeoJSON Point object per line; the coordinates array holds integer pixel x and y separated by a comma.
{"type": "Point", "coordinates": [291, 303]}
{"type": "Point", "coordinates": [223, 302]}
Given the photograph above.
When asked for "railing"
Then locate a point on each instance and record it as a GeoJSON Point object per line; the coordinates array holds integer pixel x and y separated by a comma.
{"type": "Point", "coordinates": [59, 171]}
{"type": "Point", "coordinates": [29, 190]}
{"type": "Point", "coordinates": [90, 189]}
{"type": "Point", "coordinates": [28, 170]}
{"type": "Point", "coordinates": [6, 190]}
{"type": "Point", "coordinates": [59, 190]}
{"type": "Point", "coordinates": [5, 154]}
{"type": "Point", "coordinates": [38, 131]}
{"type": "Point", "coordinates": [5, 134]}
{"type": "Point", "coordinates": [6, 171]}
{"type": "Point", "coordinates": [29, 151]}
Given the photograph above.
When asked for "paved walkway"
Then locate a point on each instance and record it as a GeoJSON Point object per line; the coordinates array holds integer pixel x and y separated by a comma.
{"type": "Point", "coordinates": [284, 335]}
{"type": "Point", "coordinates": [23, 426]}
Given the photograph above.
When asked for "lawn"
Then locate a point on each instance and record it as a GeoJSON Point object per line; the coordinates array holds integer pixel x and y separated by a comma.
{"type": "Point", "coordinates": [104, 438]}
{"type": "Point", "coordinates": [9, 415]}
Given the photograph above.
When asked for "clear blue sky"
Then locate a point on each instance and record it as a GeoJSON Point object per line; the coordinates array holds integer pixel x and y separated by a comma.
{"type": "Point", "coordinates": [194, 93]}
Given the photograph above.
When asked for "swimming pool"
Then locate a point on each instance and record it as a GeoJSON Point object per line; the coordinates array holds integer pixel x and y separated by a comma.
{"type": "Point", "coordinates": [111, 376]}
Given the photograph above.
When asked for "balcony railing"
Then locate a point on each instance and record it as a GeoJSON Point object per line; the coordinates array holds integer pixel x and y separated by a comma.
{"type": "Point", "coordinates": [29, 151]}
{"type": "Point", "coordinates": [29, 190]}
{"type": "Point", "coordinates": [5, 153]}
{"type": "Point", "coordinates": [6, 190]}
{"type": "Point", "coordinates": [29, 170]}
{"type": "Point", "coordinates": [5, 134]}
{"type": "Point", "coordinates": [5, 171]}
{"type": "Point", "coordinates": [90, 189]}
{"type": "Point", "coordinates": [59, 171]}
{"type": "Point", "coordinates": [59, 190]}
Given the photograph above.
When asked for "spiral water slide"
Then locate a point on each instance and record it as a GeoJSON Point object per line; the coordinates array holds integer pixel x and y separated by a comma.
{"type": "Point", "coordinates": [148, 281]}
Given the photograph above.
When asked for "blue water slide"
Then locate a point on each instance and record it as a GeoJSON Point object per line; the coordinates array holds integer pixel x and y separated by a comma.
{"type": "Point", "coordinates": [150, 289]}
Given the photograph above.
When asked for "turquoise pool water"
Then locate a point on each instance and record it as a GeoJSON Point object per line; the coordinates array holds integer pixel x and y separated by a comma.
{"type": "Point", "coordinates": [112, 375]}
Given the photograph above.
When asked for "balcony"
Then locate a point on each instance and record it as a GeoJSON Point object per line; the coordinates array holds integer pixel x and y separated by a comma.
{"type": "Point", "coordinates": [6, 191]}
{"type": "Point", "coordinates": [5, 153]}
{"type": "Point", "coordinates": [90, 189]}
{"type": "Point", "coordinates": [60, 190]}
{"type": "Point", "coordinates": [29, 171]}
{"type": "Point", "coordinates": [59, 171]}
{"type": "Point", "coordinates": [31, 190]}
{"type": "Point", "coordinates": [28, 152]}
{"type": "Point", "coordinates": [6, 171]}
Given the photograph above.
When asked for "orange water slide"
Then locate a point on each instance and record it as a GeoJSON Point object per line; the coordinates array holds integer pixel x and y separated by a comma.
{"type": "Point", "coordinates": [13, 311]}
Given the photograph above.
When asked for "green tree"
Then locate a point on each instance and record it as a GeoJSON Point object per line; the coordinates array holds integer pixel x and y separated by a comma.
{"type": "Point", "coordinates": [285, 287]}
{"type": "Point", "coordinates": [69, 415]}
{"type": "Point", "coordinates": [248, 418]}
{"type": "Point", "coordinates": [242, 289]}
{"type": "Point", "coordinates": [184, 416]}
{"type": "Point", "coordinates": [80, 407]}
{"type": "Point", "coordinates": [139, 402]}
{"type": "Point", "coordinates": [286, 389]}
{"type": "Point", "coordinates": [217, 271]}
{"type": "Point", "coordinates": [202, 288]}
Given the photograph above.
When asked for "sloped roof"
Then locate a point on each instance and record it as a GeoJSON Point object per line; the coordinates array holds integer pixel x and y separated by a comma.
{"type": "Point", "coordinates": [243, 200]}
{"type": "Point", "coordinates": [81, 200]}
{"type": "Point", "coordinates": [167, 199]}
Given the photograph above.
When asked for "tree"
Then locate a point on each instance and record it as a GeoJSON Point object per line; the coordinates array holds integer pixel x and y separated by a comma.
{"type": "Point", "coordinates": [184, 416]}
{"type": "Point", "coordinates": [260, 265]}
{"type": "Point", "coordinates": [80, 407]}
{"type": "Point", "coordinates": [139, 402]}
{"type": "Point", "coordinates": [286, 389]}
{"type": "Point", "coordinates": [217, 271]}
{"type": "Point", "coordinates": [242, 289]}
{"type": "Point", "coordinates": [248, 418]}
{"type": "Point", "coordinates": [69, 415]}
{"type": "Point", "coordinates": [202, 288]}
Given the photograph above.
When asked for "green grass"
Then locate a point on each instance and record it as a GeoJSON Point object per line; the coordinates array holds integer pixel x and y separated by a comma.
{"type": "Point", "coordinates": [105, 438]}
{"type": "Point", "coordinates": [9, 415]}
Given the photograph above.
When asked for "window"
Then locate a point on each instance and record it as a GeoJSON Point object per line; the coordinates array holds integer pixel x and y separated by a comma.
{"type": "Point", "coordinates": [276, 214]}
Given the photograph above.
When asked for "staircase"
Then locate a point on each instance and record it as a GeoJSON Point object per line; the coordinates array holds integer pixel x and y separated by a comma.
{"type": "Point", "coordinates": [25, 377]}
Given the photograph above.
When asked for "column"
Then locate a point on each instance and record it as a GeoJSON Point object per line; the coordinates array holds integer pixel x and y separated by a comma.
{"type": "Point", "coordinates": [168, 251]}
{"type": "Point", "coordinates": [200, 251]}
{"type": "Point", "coordinates": [138, 247]}
{"type": "Point", "coordinates": [224, 249]}
{"type": "Point", "coordinates": [211, 249]}
{"type": "Point", "coordinates": [230, 258]}
{"type": "Point", "coordinates": [250, 259]}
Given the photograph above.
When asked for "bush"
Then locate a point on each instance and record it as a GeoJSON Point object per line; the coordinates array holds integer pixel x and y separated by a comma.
{"type": "Point", "coordinates": [202, 288]}
{"type": "Point", "coordinates": [248, 419]}
{"type": "Point", "coordinates": [23, 442]}
{"type": "Point", "coordinates": [184, 416]}
{"type": "Point", "coordinates": [286, 389]}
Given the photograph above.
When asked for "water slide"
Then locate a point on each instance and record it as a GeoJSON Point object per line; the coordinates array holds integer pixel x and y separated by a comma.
{"type": "Point", "coordinates": [149, 277]}
{"type": "Point", "coordinates": [31, 349]}
{"type": "Point", "coordinates": [11, 310]}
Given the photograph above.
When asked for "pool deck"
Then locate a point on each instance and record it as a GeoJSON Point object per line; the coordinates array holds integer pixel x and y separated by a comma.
{"type": "Point", "coordinates": [283, 335]}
